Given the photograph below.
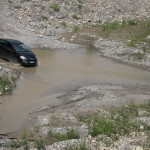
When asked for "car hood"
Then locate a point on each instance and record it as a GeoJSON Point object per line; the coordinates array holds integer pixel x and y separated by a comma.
{"type": "Point", "coordinates": [27, 54]}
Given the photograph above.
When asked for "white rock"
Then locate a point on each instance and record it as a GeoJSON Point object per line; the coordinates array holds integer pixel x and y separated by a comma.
{"type": "Point", "coordinates": [148, 37]}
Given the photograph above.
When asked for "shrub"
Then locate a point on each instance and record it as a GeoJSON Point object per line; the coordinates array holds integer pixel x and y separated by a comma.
{"type": "Point", "coordinates": [102, 126]}
{"type": "Point", "coordinates": [70, 134]}
{"type": "Point", "coordinates": [5, 85]}
{"type": "Point", "coordinates": [75, 16]}
{"type": "Point", "coordinates": [78, 146]}
{"type": "Point", "coordinates": [121, 122]}
{"type": "Point", "coordinates": [79, 1]}
{"type": "Point", "coordinates": [64, 24]}
{"type": "Point", "coordinates": [55, 6]}
{"type": "Point", "coordinates": [22, 1]}
{"type": "Point", "coordinates": [110, 26]}
{"type": "Point", "coordinates": [80, 6]}
{"type": "Point", "coordinates": [131, 22]}
{"type": "Point", "coordinates": [17, 7]}
{"type": "Point", "coordinates": [44, 17]}
{"type": "Point", "coordinates": [76, 28]}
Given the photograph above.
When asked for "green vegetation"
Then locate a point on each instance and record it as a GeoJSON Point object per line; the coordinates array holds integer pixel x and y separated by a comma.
{"type": "Point", "coordinates": [146, 143]}
{"type": "Point", "coordinates": [138, 55]}
{"type": "Point", "coordinates": [17, 7]}
{"type": "Point", "coordinates": [121, 122]}
{"type": "Point", "coordinates": [44, 17]}
{"type": "Point", "coordinates": [110, 26]}
{"type": "Point", "coordinates": [131, 31]}
{"type": "Point", "coordinates": [25, 142]}
{"type": "Point", "coordinates": [78, 146]}
{"type": "Point", "coordinates": [64, 24]}
{"type": "Point", "coordinates": [80, 1]}
{"type": "Point", "coordinates": [22, 1]}
{"type": "Point", "coordinates": [70, 134]}
{"type": "Point", "coordinates": [135, 31]}
{"type": "Point", "coordinates": [80, 6]}
{"type": "Point", "coordinates": [76, 28]}
{"type": "Point", "coordinates": [55, 7]}
{"type": "Point", "coordinates": [75, 16]}
{"type": "Point", "coordinates": [130, 22]}
{"type": "Point", "coordinates": [5, 85]}
{"type": "Point", "coordinates": [9, 1]}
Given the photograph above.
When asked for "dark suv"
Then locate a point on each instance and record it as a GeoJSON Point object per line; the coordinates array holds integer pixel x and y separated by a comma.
{"type": "Point", "coordinates": [16, 51]}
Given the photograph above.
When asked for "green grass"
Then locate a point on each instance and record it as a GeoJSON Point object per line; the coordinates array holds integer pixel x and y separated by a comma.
{"type": "Point", "coordinates": [78, 146]}
{"type": "Point", "coordinates": [138, 55]}
{"type": "Point", "coordinates": [5, 85]}
{"type": "Point", "coordinates": [80, 1]}
{"type": "Point", "coordinates": [76, 28]}
{"type": "Point", "coordinates": [75, 16]}
{"type": "Point", "coordinates": [146, 143]}
{"type": "Point", "coordinates": [64, 24]}
{"type": "Point", "coordinates": [70, 134]}
{"type": "Point", "coordinates": [130, 29]}
{"type": "Point", "coordinates": [22, 1]}
{"type": "Point", "coordinates": [80, 6]}
{"type": "Point", "coordinates": [100, 125]}
{"type": "Point", "coordinates": [110, 26]}
{"type": "Point", "coordinates": [44, 17]}
{"type": "Point", "coordinates": [17, 7]}
{"type": "Point", "coordinates": [121, 122]}
{"type": "Point", "coordinates": [55, 7]}
{"type": "Point", "coordinates": [14, 144]}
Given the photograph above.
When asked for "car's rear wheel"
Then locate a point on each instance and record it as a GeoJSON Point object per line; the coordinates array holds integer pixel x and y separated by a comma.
{"type": "Point", "coordinates": [14, 60]}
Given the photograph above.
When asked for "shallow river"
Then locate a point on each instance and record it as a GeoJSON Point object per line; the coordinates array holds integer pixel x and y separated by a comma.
{"type": "Point", "coordinates": [59, 71]}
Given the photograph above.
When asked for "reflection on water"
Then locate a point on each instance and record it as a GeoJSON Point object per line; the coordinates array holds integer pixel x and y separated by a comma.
{"type": "Point", "coordinates": [57, 72]}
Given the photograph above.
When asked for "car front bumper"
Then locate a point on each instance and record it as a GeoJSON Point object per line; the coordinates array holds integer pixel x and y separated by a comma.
{"type": "Point", "coordinates": [29, 63]}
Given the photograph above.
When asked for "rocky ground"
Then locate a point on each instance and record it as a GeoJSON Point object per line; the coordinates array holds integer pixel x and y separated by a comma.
{"type": "Point", "coordinates": [120, 52]}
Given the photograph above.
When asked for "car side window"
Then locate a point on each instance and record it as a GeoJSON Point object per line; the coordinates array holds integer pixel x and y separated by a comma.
{"type": "Point", "coordinates": [3, 43]}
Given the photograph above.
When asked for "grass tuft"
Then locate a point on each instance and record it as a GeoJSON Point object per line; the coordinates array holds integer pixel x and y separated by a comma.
{"type": "Point", "coordinates": [76, 28]}
{"type": "Point", "coordinates": [64, 24]}
{"type": "Point", "coordinates": [70, 134]}
{"type": "Point", "coordinates": [17, 7]}
{"type": "Point", "coordinates": [55, 7]}
{"type": "Point", "coordinates": [78, 146]}
{"type": "Point", "coordinates": [121, 122]}
{"type": "Point", "coordinates": [44, 17]}
{"type": "Point", "coordinates": [5, 85]}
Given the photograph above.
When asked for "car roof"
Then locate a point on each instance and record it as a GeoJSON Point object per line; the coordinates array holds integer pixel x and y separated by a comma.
{"type": "Point", "coordinates": [11, 40]}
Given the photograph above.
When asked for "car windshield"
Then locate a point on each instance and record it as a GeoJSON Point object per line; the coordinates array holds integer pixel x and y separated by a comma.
{"type": "Point", "coordinates": [20, 47]}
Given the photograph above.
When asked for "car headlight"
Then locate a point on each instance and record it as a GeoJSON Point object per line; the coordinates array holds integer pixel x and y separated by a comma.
{"type": "Point", "coordinates": [23, 57]}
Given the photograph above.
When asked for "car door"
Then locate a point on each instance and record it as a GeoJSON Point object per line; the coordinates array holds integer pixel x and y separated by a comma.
{"type": "Point", "coordinates": [5, 50]}
{"type": "Point", "coordinates": [2, 49]}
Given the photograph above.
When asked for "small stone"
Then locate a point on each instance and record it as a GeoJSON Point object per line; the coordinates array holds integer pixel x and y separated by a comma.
{"type": "Point", "coordinates": [41, 36]}
{"type": "Point", "coordinates": [137, 148]}
{"type": "Point", "coordinates": [148, 37]}
{"type": "Point", "coordinates": [141, 128]}
{"type": "Point", "coordinates": [20, 17]}
{"type": "Point", "coordinates": [89, 136]}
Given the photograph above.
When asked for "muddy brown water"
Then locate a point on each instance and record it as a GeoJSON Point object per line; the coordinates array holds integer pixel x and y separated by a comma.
{"type": "Point", "coordinates": [58, 72]}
